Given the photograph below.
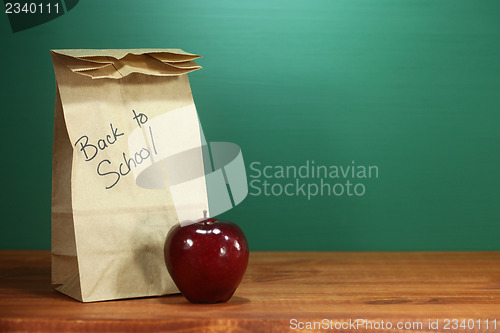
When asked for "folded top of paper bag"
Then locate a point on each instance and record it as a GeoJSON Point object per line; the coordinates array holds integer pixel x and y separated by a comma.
{"type": "Point", "coordinates": [115, 64]}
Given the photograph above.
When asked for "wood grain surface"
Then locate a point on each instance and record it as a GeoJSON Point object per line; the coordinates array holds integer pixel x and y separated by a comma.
{"type": "Point", "coordinates": [281, 292]}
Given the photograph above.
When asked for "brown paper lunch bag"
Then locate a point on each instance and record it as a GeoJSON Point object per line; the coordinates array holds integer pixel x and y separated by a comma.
{"type": "Point", "coordinates": [109, 215]}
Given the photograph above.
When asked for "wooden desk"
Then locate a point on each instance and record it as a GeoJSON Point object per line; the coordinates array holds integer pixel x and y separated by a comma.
{"type": "Point", "coordinates": [280, 291]}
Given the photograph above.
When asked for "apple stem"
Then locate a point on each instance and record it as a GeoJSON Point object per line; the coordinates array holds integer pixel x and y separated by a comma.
{"type": "Point", "coordinates": [204, 216]}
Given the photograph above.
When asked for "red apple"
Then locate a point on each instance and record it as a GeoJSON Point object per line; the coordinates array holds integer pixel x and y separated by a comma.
{"type": "Point", "coordinates": [207, 259]}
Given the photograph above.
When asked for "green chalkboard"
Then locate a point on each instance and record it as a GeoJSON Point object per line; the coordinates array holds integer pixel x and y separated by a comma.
{"type": "Point", "coordinates": [394, 105]}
